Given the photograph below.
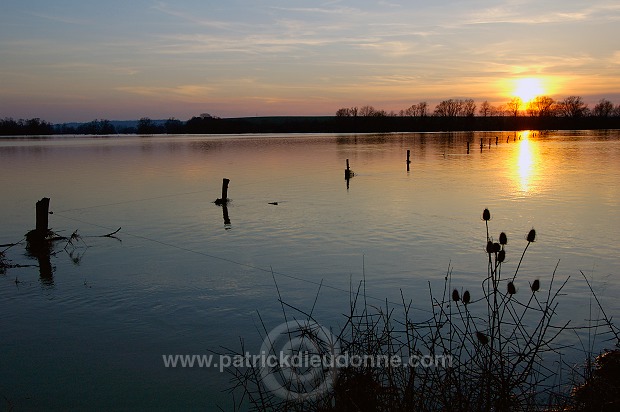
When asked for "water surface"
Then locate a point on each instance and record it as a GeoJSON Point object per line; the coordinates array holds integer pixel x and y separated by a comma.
{"type": "Point", "coordinates": [181, 281]}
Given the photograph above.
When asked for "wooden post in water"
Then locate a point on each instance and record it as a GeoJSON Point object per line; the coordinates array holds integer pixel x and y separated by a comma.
{"type": "Point", "coordinates": [347, 171]}
{"type": "Point", "coordinates": [37, 237]}
{"type": "Point", "coordinates": [489, 143]}
{"type": "Point", "coordinates": [467, 147]}
{"type": "Point", "coordinates": [224, 199]}
{"type": "Point", "coordinates": [496, 140]}
{"type": "Point", "coordinates": [481, 144]}
{"type": "Point", "coordinates": [42, 214]}
{"type": "Point", "coordinates": [408, 156]}
{"type": "Point", "coordinates": [225, 189]}
{"type": "Point", "coordinates": [38, 243]}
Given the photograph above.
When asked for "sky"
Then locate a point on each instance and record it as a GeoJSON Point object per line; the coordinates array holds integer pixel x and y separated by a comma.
{"type": "Point", "coordinates": [80, 60]}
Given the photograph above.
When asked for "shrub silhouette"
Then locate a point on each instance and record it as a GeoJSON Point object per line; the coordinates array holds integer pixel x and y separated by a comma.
{"type": "Point", "coordinates": [498, 340]}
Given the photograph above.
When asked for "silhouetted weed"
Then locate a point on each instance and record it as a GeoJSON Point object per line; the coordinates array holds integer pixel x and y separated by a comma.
{"type": "Point", "coordinates": [501, 347]}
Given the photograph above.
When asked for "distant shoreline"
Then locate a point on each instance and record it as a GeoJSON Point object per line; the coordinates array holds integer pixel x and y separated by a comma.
{"type": "Point", "coordinates": [308, 124]}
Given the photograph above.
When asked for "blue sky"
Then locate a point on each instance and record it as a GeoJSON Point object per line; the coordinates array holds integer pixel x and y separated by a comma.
{"type": "Point", "coordinates": [81, 60]}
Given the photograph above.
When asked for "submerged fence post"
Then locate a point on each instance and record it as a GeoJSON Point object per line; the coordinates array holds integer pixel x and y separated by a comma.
{"type": "Point", "coordinates": [38, 243]}
{"type": "Point", "coordinates": [224, 199]}
{"type": "Point", "coordinates": [467, 147]}
{"type": "Point", "coordinates": [347, 172]}
{"type": "Point", "coordinates": [37, 237]}
{"type": "Point", "coordinates": [42, 214]}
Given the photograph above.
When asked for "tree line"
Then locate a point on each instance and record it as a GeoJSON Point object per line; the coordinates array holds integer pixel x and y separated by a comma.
{"type": "Point", "coordinates": [540, 106]}
{"type": "Point", "coordinates": [542, 112]}
{"type": "Point", "coordinates": [36, 126]}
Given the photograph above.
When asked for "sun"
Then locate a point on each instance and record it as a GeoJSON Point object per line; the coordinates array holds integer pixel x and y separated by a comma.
{"type": "Point", "coordinates": [528, 88]}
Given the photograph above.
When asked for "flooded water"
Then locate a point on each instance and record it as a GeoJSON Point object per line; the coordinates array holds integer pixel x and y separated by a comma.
{"type": "Point", "coordinates": [177, 279]}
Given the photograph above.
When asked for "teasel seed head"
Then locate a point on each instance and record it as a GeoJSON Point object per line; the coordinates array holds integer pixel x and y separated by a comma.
{"type": "Point", "coordinates": [531, 236]}
{"type": "Point", "coordinates": [486, 215]}
{"type": "Point", "coordinates": [455, 295]}
{"type": "Point", "coordinates": [511, 288]}
{"type": "Point", "coordinates": [503, 239]}
{"type": "Point", "coordinates": [535, 285]}
{"type": "Point", "coordinates": [501, 256]}
{"type": "Point", "coordinates": [490, 247]}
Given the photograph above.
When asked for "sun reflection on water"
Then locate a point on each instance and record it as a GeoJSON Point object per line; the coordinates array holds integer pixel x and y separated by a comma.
{"type": "Point", "coordinates": [526, 162]}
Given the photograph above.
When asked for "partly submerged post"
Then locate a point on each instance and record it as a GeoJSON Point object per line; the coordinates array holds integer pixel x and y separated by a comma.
{"type": "Point", "coordinates": [496, 140]}
{"type": "Point", "coordinates": [38, 241]}
{"type": "Point", "coordinates": [481, 144]}
{"type": "Point", "coordinates": [348, 173]}
{"type": "Point", "coordinates": [42, 211]}
{"type": "Point", "coordinates": [408, 156]}
{"type": "Point", "coordinates": [224, 199]}
{"type": "Point", "coordinates": [37, 237]}
{"type": "Point", "coordinates": [467, 147]}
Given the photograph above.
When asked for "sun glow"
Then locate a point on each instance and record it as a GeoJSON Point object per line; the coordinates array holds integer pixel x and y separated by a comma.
{"type": "Point", "coordinates": [528, 88]}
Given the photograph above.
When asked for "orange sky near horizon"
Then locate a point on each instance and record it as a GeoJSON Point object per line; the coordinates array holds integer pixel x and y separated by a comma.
{"type": "Point", "coordinates": [78, 61]}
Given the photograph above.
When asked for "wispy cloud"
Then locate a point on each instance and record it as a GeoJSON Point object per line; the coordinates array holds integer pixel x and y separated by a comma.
{"type": "Point", "coordinates": [198, 20]}
{"type": "Point", "coordinates": [61, 19]}
{"type": "Point", "coordinates": [183, 92]}
{"type": "Point", "coordinates": [336, 11]}
{"type": "Point", "coordinates": [255, 44]}
{"type": "Point", "coordinates": [530, 12]}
